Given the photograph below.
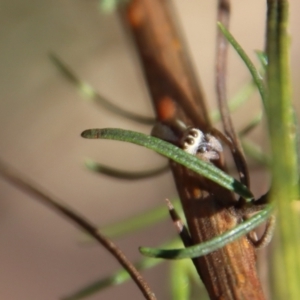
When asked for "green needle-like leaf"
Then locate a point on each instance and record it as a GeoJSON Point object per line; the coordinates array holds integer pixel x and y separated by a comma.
{"type": "Point", "coordinates": [90, 93]}
{"type": "Point", "coordinates": [180, 280]}
{"type": "Point", "coordinates": [254, 151]}
{"type": "Point", "coordinates": [138, 222]}
{"type": "Point", "coordinates": [116, 173]}
{"type": "Point", "coordinates": [211, 245]}
{"type": "Point", "coordinates": [251, 125]}
{"type": "Point", "coordinates": [257, 78]}
{"type": "Point", "coordinates": [117, 278]}
{"type": "Point", "coordinates": [109, 6]}
{"type": "Point", "coordinates": [203, 168]}
{"type": "Point", "coordinates": [262, 57]}
{"type": "Point", "coordinates": [237, 101]}
{"type": "Point", "coordinates": [281, 122]}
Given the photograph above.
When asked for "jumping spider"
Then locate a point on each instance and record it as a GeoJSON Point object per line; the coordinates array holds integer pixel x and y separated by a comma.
{"type": "Point", "coordinates": [192, 140]}
{"type": "Point", "coordinates": [206, 146]}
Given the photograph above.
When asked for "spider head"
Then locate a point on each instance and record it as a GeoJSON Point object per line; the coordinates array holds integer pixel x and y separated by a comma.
{"type": "Point", "coordinates": [203, 145]}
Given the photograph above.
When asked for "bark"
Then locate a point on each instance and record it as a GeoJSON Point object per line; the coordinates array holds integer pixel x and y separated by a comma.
{"type": "Point", "coordinates": [229, 273]}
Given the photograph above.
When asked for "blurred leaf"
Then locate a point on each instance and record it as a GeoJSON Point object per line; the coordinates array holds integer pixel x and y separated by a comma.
{"type": "Point", "coordinates": [282, 130]}
{"type": "Point", "coordinates": [120, 174]}
{"type": "Point", "coordinates": [237, 101]}
{"type": "Point", "coordinates": [87, 91]}
{"type": "Point", "coordinates": [109, 6]}
{"type": "Point", "coordinates": [254, 151]}
{"type": "Point", "coordinates": [213, 244]}
{"type": "Point", "coordinates": [138, 222]}
{"type": "Point", "coordinates": [117, 278]}
{"type": "Point", "coordinates": [257, 78]}
{"type": "Point", "coordinates": [262, 57]}
{"type": "Point", "coordinates": [195, 164]}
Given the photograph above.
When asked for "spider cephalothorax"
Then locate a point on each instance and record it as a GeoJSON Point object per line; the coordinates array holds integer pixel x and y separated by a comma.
{"type": "Point", "coordinates": [203, 145]}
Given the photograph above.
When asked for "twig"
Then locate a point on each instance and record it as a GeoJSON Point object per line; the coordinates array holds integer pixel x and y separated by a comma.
{"type": "Point", "coordinates": [179, 225]}
{"type": "Point", "coordinates": [221, 67]}
{"type": "Point", "coordinates": [31, 188]}
{"type": "Point", "coordinates": [230, 272]}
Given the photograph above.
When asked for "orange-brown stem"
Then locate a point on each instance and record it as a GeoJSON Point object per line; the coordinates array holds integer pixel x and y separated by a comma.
{"type": "Point", "coordinates": [229, 273]}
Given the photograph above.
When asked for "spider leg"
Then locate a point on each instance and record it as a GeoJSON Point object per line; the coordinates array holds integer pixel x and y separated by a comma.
{"type": "Point", "coordinates": [266, 237]}
{"type": "Point", "coordinates": [214, 143]}
{"type": "Point", "coordinates": [208, 155]}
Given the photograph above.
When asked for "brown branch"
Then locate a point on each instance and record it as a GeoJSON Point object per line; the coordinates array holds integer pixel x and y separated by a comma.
{"type": "Point", "coordinates": [230, 272]}
{"type": "Point", "coordinates": [30, 188]}
{"type": "Point", "coordinates": [221, 68]}
{"type": "Point", "coordinates": [165, 62]}
{"type": "Point", "coordinates": [179, 225]}
{"type": "Point", "coordinates": [182, 230]}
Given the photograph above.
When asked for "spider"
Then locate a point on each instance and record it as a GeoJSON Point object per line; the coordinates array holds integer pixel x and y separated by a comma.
{"type": "Point", "coordinates": [190, 139]}
{"type": "Point", "coordinates": [206, 146]}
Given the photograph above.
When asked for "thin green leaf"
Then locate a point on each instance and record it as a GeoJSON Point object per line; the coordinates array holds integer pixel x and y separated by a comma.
{"type": "Point", "coordinates": [262, 57]}
{"type": "Point", "coordinates": [251, 125]}
{"type": "Point", "coordinates": [213, 244]}
{"type": "Point", "coordinates": [203, 168]}
{"type": "Point", "coordinates": [184, 278]}
{"type": "Point", "coordinates": [138, 222]}
{"type": "Point", "coordinates": [257, 78]}
{"type": "Point", "coordinates": [284, 166]}
{"type": "Point", "coordinates": [109, 6]}
{"type": "Point", "coordinates": [87, 91]}
{"type": "Point", "coordinates": [237, 101]}
{"type": "Point", "coordinates": [117, 278]}
{"type": "Point", "coordinates": [254, 151]}
{"type": "Point", "coordinates": [32, 189]}
{"type": "Point", "coordinates": [120, 174]}
{"type": "Point", "coordinates": [180, 280]}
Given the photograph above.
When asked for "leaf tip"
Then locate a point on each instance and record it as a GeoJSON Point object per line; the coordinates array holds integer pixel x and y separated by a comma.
{"type": "Point", "coordinates": [145, 251]}
{"type": "Point", "coordinates": [242, 190]}
{"type": "Point", "coordinates": [91, 134]}
{"type": "Point", "coordinates": [90, 164]}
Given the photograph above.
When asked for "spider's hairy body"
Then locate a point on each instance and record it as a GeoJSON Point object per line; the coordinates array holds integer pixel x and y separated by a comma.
{"type": "Point", "coordinates": [206, 146]}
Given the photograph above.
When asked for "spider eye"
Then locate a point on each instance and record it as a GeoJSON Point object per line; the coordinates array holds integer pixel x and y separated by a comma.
{"type": "Point", "coordinates": [192, 140]}
{"type": "Point", "coordinates": [205, 145]}
{"type": "Point", "coordinates": [194, 132]}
